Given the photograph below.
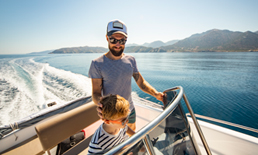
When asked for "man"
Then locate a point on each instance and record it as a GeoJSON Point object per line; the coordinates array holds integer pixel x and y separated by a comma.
{"type": "Point", "coordinates": [111, 73]}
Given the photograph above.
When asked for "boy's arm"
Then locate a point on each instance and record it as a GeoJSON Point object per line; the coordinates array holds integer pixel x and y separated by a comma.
{"type": "Point", "coordinates": [129, 131]}
{"type": "Point", "coordinates": [146, 87]}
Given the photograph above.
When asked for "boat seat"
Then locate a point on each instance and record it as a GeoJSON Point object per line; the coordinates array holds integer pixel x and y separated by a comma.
{"type": "Point", "coordinates": [54, 131]}
{"type": "Point", "coordinates": [82, 147]}
{"type": "Point", "coordinates": [32, 146]}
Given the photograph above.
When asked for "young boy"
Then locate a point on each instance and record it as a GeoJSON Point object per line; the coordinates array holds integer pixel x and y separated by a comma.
{"type": "Point", "coordinates": [114, 130]}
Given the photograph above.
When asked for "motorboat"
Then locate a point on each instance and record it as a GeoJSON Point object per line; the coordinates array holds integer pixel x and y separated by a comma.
{"type": "Point", "coordinates": [160, 129]}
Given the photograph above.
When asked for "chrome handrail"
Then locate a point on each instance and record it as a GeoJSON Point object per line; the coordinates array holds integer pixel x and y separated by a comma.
{"type": "Point", "coordinates": [142, 134]}
{"type": "Point", "coordinates": [197, 126]}
{"type": "Point", "coordinates": [148, 143]}
{"type": "Point", "coordinates": [225, 123]}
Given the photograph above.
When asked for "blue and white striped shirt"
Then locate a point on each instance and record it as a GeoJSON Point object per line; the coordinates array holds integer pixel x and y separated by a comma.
{"type": "Point", "coordinates": [101, 140]}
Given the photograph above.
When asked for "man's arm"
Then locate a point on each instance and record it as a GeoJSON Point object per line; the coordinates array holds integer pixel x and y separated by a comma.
{"type": "Point", "coordinates": [146, 87]}
{"type": "Point", "coordinates": [96, 95]}
{"type": "Point", "coordinates": [129, 131]}
{"type": "Point", "coordinates": [96, 90]}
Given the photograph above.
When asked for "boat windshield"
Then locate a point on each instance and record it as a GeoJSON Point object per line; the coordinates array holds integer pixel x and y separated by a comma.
{"type": "Point", "coordinates": [169, 133]}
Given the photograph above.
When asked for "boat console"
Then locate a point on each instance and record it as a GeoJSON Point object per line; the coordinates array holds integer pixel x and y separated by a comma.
{"type": "Point", "coordinates": [169, 133]}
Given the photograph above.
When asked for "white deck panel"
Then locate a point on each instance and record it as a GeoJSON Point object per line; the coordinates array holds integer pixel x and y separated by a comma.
{"type": "Point", "coordinates": [144, 115]}
{"type": "Point", "coordinates": [224, 141]}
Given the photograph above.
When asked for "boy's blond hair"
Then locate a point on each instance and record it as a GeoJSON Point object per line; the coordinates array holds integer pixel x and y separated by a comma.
{"type": "Point", "coordinates": [114, 107]}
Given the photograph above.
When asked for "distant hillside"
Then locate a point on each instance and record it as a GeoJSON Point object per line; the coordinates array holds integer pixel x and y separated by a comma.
{"type": "Point", "coordinates": [42, 52]}
{"type": "Point", "coordinates": [171, 42]}
{"type": "Point", "coordinates": [143, 49]}
{"type": "Point", "coordinates": [85, 49]}
{"type": "Point", "coordinates": [217, 40]}
{"type": "Point", "coordinates": [212, 40]}
{"type": "Point", "coordinates": [128, 45]}
{"type": "Point", "coordinates": [155, 44]}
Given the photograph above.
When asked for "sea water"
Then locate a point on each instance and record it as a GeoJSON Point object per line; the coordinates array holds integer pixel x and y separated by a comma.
{"type": "Point", "coordinates": [218, 85]}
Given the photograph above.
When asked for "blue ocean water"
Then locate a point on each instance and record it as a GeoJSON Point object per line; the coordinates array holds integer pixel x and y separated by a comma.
{"type": "Point", "coordinates": [218, 85]}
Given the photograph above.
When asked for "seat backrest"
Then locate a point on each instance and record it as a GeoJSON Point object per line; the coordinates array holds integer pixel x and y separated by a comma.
{"type": "Point", "coordinates": [55, 130]}
{"type": "Point", "coordinates": [32, 146]}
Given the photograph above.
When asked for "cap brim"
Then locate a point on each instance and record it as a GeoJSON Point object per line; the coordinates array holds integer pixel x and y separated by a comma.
{"type": "Point", "coordinates": [119, 32]}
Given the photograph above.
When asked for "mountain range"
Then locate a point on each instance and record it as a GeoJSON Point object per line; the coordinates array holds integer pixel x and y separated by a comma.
{"type": "Point", "coordinates": [85, 49]}
{"type": "Point", "coordinates": [217, 40]}
{"type": "Point", "coordinates": [154, 44]}
{"type": "Point", "coordinates": [42, 52]}
{"type": "Point", "coordinates": [213, 40]}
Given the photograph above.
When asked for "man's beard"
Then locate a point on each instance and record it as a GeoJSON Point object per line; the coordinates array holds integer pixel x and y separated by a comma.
{"type": "Point", "coordinates": [115, 53]}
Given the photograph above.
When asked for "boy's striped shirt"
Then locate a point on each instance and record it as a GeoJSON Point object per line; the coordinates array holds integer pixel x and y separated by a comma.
{"type": "Point", "coordinates": [101, 140]}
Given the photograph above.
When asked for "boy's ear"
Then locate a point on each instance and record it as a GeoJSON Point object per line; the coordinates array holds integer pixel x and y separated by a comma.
{"type": "Point", "coordinates": [106, 121]}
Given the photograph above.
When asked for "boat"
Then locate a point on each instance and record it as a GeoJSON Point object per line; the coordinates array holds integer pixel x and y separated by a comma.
{"type": "Point", "coordinates": [167, 130]}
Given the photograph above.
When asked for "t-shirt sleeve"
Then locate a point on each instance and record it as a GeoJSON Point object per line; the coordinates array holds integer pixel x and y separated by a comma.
{"type": "Point", "coordinates": [94, 71]}
{"type": "Point", "coordinates": [135, 69]}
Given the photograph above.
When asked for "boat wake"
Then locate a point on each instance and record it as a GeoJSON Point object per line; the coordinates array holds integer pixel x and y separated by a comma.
{"type": "Point", "coordinates": [27, 86]}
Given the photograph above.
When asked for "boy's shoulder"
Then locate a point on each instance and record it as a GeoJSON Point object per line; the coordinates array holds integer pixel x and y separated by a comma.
{"type": "Point", "coordinates": [102, 133]}
{"type": "Point", "coordinates": [101, 140]}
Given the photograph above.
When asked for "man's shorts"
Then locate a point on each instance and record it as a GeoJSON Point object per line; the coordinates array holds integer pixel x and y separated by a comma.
{"type": "Point", "coordinates": [132, 116]}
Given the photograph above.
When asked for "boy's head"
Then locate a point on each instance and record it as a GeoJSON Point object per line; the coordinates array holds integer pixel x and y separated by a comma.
{"type": "Point", "coordinates": [114, 107]}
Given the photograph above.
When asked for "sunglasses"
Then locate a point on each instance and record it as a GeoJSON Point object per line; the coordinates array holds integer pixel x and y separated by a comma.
{"type": "Point", "coordinates": [123, 122]}
{"type": "Point", "coordinates": [114, 41]}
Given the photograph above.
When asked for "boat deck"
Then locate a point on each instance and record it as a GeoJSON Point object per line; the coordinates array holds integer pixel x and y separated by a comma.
{"type": "Point", "coordinates": [223, 141]}
{"type": "Point", "coordinates": [220, 140]}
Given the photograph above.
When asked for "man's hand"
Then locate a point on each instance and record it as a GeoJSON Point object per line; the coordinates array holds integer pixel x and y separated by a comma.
{"type": "Point", "coordinates": [99, 110]}
{"type": "Point", "coordinates": [159, 96]}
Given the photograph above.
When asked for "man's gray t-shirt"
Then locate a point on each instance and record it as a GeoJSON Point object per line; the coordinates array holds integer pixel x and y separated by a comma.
{"type": "Point", "coordinates": [116, 75]}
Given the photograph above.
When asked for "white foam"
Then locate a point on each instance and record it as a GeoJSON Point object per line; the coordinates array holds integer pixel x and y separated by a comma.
{"type": "Point", "coordinates": [77, 85]}
{"type": "Point", "coordinates": [36, 84]}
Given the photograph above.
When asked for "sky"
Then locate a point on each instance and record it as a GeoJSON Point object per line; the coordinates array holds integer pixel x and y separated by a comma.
{"type": "Point", "coordinates": [38, 25]}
